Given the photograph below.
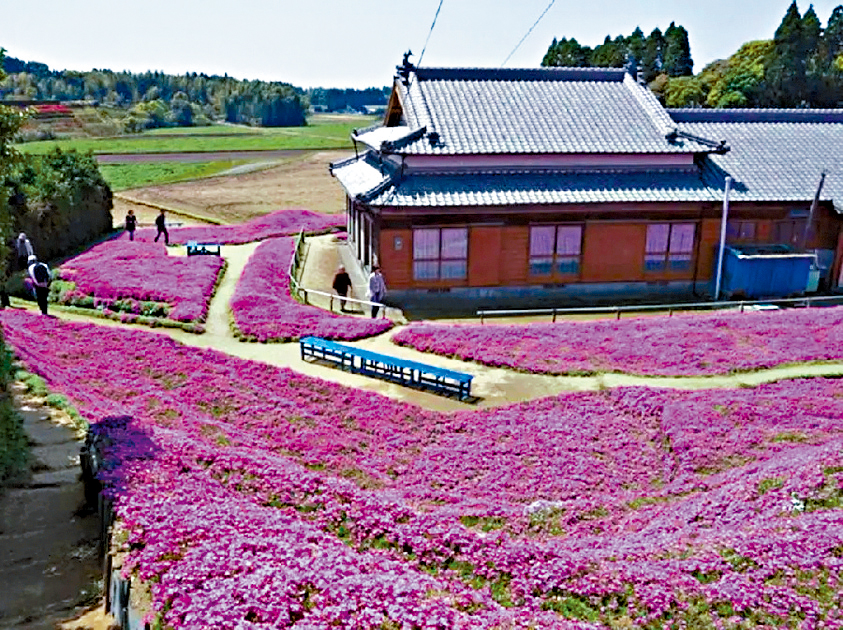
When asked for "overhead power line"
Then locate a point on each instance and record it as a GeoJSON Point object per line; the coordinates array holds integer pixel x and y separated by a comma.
{"type": "Point", "coordinates": [431, 32]}
{"type": "Point", "coordinates": [536, 23]}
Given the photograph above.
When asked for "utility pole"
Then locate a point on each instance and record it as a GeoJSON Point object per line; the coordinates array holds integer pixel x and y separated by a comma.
{"type": "Point", "coordinates": [723, 221]}
{"type": "Point", "coordinates": [812, 211]}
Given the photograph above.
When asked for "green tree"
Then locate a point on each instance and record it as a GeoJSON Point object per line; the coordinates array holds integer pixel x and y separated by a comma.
{"type": "Point", "coordinates": [785, 72]}
{"type": "Point", "coordinates": [677, 52]}
{"type": "Point", "coordinates": [567, 53]}
{"type": "Point", "coordinates": [653, 59]}
{"type": "Point", "coordinates": [739, 82]}
{"type": "Point", "coordinates": [610, 54]}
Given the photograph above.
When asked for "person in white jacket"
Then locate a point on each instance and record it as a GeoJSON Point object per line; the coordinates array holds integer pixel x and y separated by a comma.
{"type": "Point", "coordinates": [377, 289]}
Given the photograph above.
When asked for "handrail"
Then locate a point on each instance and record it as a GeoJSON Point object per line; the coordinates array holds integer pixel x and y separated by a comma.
{"type": "Point", "coordinates": [296, 288]}
{"type": "Point", "coordinates": [334, 296]}
{"type": "Point", "coordinates": [670, 308]}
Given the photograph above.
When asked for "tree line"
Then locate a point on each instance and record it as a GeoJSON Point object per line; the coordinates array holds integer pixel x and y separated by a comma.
{"type": "Point", "coordinates": [802, 66]}
{"type": "Point", "coordinates": [649, 56]}
{"type": "Point", "coordinates": [156, 99]}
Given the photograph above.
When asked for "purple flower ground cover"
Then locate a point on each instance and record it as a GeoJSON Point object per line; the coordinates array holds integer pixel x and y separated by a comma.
{"type": "Point", "coordinates": [279, 223]}
{"type": "Point", "coordinates": [264, 310]}
{"type": "Point", "coordinates": [140, 276]}
{"type": "Point", "coordinates": [254, 497]}
{"type": "Point", "coordinates": [682, 345]}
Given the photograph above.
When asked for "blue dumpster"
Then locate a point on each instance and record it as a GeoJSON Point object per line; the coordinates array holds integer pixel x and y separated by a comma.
{"type": "Point", "coordinates": [765, 271]}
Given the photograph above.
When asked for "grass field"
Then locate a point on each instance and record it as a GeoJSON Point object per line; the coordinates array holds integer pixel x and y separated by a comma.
{"type": "Point", "coordinates": [125, 176]}
{"type": "Point", "coordinates": [322, 132]}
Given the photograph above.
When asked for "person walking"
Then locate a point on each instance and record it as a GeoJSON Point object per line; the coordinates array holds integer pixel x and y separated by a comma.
{"type": "Point", "coordinates": [24, 250]}
{"type": "Point", "coordinates": [342, 283]}
{"type": "Point", "coordinates": [161, 224]}
{"type": "Point", "coordinates": [131, 224]}
{"type": "Point", "coordinates": [41, 277]}
{"type": "Point", "coordinates": [377, 289]}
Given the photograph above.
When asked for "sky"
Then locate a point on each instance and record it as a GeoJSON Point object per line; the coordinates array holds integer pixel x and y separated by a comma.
{"type": "Point", "coordinates": [357, 43]}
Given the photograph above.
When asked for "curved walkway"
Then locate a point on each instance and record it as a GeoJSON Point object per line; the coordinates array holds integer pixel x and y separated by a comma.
{"type": "Point", "coordinates": [493, 386]}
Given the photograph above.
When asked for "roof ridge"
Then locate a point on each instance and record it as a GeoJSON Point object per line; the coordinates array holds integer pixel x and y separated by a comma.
{"type": "Point", "coordinates": [768, 115]}
{"type": "Point", "coordinates": [654, 110]}
{"type": "Point", "coordinates": [523, 74]}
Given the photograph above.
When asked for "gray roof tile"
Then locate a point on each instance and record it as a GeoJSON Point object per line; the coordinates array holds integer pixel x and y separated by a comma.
{"type": "Point", "coordinates": [513, 188]}
{"type": "Point", "coordinates": [775, 154]}
{"type": "Point", "coordinates": [548, 110]}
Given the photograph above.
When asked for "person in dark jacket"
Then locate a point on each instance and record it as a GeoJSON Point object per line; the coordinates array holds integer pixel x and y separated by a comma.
{"type": "Point", "coordinates": [40, 275]}
{"type": "Point", "coordinates": [131, 224]}
{"type": "Point", "coordinates": [161, 224]}
{"type": "Point", "coordinates": [342, 283]}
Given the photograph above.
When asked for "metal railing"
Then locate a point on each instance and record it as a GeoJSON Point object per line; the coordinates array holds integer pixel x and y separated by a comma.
{"type": "Point", "coordinates": [617, 311]}
{"type": "Point", "coordinates": [304, 293]}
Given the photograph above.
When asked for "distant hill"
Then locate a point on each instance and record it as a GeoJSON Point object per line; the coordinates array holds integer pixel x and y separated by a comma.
{"type": "Point", "coordinates": [155, 99]}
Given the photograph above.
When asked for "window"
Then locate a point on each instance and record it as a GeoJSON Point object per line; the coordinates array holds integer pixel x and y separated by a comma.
{"type": "Point", "coordinates": [440, 253]}
{"type": "Point", "coordinates": [740, 231]}
{"type": "Point", "coordinates": [555, 249]}
{"type": "Point", "coordinates": [670, 246]}
{"type": "Point", "coordinates": [790, 232]}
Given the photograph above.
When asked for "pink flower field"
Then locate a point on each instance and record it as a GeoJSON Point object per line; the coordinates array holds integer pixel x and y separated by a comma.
{"type": "Point", "coordinates": [254, 497]}
{"type": "Point", "coordinates": [279, 223]}
{"type": "Point", "coordinates": [263, 309]}
{"type": "Point", "coordinates": [682, 345]}
{"type": "Point", "coordinates": [121, 270]}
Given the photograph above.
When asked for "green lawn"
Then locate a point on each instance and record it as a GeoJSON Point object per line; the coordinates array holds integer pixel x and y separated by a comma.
{"type": "Point", "coordinates": [125, 176]}
{"type": "Point", "coordinates": [321, 133]}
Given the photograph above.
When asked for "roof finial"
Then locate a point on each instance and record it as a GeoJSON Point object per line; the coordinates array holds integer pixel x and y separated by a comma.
{"type": "Point", "coordinates": [406, 67]}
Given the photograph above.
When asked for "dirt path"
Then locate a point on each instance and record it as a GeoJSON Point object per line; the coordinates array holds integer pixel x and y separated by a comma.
{"type": "Point", "coordinates": [48, 539]}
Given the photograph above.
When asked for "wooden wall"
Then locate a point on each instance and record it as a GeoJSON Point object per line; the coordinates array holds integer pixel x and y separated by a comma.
{"type": "Point", "coordinates": [613, 243]}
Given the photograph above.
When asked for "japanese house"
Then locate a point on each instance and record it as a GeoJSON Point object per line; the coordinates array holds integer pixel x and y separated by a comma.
{"type": "Point", "coordinates": [577, 184]}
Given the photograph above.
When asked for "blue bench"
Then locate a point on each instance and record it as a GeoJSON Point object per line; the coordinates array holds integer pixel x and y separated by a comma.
{"type": "Point", "coordinates": [401, 371]}
{"type": "Point", "coordinates": [199, 249]}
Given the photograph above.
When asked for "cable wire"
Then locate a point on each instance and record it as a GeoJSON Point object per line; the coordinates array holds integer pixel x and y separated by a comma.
{"type": "Point", "coordinates": [431, 32]}
{"type": "Point", "coordinates": [535, 24]}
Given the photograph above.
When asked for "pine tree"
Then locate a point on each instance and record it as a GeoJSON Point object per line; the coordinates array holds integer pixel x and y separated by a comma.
{"type": "Point", "coordinates": [653, 59]}
{"type": "Point", "coordinates": [677, 52]}
{"type": "Point", "coordinates": [785, 75]}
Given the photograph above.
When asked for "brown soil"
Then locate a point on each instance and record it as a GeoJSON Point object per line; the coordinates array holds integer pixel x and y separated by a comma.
{"type": "Point", "coordinates": [302, 181]}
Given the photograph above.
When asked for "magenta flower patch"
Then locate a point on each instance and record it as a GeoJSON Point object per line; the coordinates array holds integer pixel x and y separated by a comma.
{"type": "Point", "coordinates": [683, 345]}
{"type": "Point", "coordinates": [121, 270]}
{"type": "Point", "coordinates": [279, 223]}
{"type": "Point", "coordinates": [264, 310]}
{"type": "Point", "coordinates": [255, 497]}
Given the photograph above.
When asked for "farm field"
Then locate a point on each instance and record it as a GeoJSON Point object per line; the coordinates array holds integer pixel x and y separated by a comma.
{"type": "Point", "coordinates": [254, 495]}
{"type": "Point", "coordinates": [135, 175]}
{"type": "Point", "coordinates": [321, 133]}
{"type": "Point", "coordinates": [302, 181]}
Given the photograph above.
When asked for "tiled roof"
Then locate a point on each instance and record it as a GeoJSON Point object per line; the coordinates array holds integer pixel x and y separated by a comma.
{"type": "Point", "coordinates": [516, 188]}
{"type": "Point", "coordinates": [775, 154]}
{"type": "Point", "coordinates": [361, 176]}
{"type": "Point", "coordinates": [547, 110]}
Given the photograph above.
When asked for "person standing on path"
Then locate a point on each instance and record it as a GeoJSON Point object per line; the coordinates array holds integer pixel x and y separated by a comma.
{"type": "Point", "coordinates": [342, 283]}
{"type": "Point", "coordinates": [41, 277]}
{"type": "Point", "coordinates": [161, 224]}
{"type": "Point", "coordinates": [24, 250]}
{"type": "Point", "coordinates": [377, 289]}
{"type": "Point", "coordinates": [131, 224]}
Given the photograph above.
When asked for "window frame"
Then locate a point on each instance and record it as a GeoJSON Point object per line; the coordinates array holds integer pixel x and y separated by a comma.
{"type": "Point", "coordinates": [441, 260]}
{"type": "Point", "coordinates": [560, 264]}
{"type": "Point", "coordinates": [668, 252]}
